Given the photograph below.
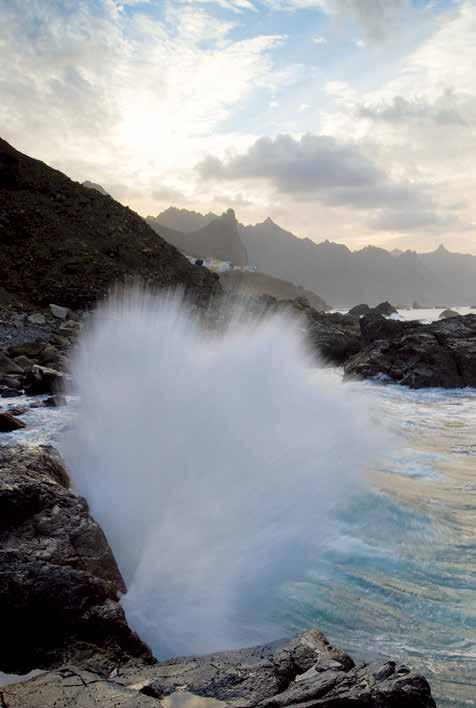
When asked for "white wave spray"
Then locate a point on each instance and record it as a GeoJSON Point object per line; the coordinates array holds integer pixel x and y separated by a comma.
{"type": "Point", "coordinates": [214, 464]}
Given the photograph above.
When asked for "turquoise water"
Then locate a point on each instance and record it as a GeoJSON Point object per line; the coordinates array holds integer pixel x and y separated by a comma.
{"type": "Point", "coordinates": [399, 575]}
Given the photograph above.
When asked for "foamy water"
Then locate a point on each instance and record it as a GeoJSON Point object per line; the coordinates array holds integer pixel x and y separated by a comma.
{"type": "Point", "coordinates": [213, 463]}
{"type": "Point", "coordinates": [424, 315]}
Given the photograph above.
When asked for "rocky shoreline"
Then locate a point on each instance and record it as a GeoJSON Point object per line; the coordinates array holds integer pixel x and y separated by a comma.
{"type": "Point", "coordinates": [60, 586]}
{"type": "Point", "coordinates": [60, 614]}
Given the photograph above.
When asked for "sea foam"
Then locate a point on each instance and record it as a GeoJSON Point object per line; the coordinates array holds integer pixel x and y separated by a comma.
{"type": "Point", "coordinates": [215, 463]}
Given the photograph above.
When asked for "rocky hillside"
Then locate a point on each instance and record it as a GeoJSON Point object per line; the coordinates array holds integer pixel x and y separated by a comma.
{"type": "Point", "coordinates": [65, 243]}
{"type": "Point", "coordinates": [261, 284]}
{"type": "Point", "coordinates": [220, 239]}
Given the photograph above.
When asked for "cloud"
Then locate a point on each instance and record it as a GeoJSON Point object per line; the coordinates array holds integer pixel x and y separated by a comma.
{"type": "Point", "coordinates": [427, 221]}
{"type": "Point", "coordinates": [445, 110]}
{"type": "Point", "coordinates": [170, 194]}
{"type": "Point", "coordinates": [314, 165]}
{"type": "Point", "coordinates": [108, 94]}
{"type": "Point", "coordinates": [378, 19]}
{"type": "Point", "coordinates": [318, 39]}
{"type": "Point", "coordinates": [236, 6]}
{"type": "Point", "coordinates": [318, 168]}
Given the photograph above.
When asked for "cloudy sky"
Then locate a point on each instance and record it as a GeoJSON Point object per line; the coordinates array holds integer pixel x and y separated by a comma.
{"type": "Point", "coordinates": [353, 120]}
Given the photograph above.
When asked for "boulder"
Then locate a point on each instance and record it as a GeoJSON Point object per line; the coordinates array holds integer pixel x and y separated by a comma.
{"type": "Point", "coordinates": [49, 355]}
{"type": "Point", "coordinates": [55, 402]}
{"type": "Point", "coordinates": [17, 410]}
{"type": "Point", "coordinates": [358, 311]}
{"type": "Point", "coordinates": [8, 366]}
{"type": "Point", "coordinates": [10, 382]}
{"type": "Point", "coordinates": [59, 312]}
{"type": "Point", "coordinates": [28, 349]}
{"type": "Point", "coordinates": [446, 314]}
{"type": "Point", "coordinates": [60, 341]}
{"type": "Point", "coordinates": [24, 362]}
{"type": "Point", "coordinates": [69, 327]}
{"type": "Point", "coordinates": [59, 582]}
{"type": "Point", "coordinates": [8, 423]}
{"type": "Point", "coordinates": [386, 309]}
{"type": "Point", "coordinates": [36, 318]}
{"type": "Point", "coordinates": [10, 392]}
{"type": "Point", "coordinates": [42, 379]}
{"type": "Point", "coordinates": [442, 354]}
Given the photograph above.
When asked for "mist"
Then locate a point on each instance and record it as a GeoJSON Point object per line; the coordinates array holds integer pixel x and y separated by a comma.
{"type": "Point", "coordinates": [215, 463]}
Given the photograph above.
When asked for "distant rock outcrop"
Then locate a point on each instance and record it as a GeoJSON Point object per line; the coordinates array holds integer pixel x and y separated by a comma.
{"type": "Point", "coordinates": [447, 313]}
{"type": "Point", "coordinates": [250, 283]}
{"type": "Point", "coordinates": [358, 311]}
{"type": "Point", "coordinates": [386, 309]}
{"type": "Point", "coordinates": [64, 243]}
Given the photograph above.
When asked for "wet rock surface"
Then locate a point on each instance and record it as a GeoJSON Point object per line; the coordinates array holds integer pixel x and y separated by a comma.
{"type": "Point", "coordinates": [59, 582]}
{"type": "Point", "coordinates": [446, 314]}
{"type": "Point", "coordinates": [441, 354]}
{"type": "Point", "coordinates": [8, 422]}
{"type": "Point", "coordinates": [335, 337]}
{"type": "Point", "coordinates": [304, 671]}
{"type": "Point", "coordinates": [72, 687]}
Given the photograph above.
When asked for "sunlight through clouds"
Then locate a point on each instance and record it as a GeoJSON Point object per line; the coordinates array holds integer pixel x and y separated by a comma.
{"type": "Point", "coordinates": [133, 95]}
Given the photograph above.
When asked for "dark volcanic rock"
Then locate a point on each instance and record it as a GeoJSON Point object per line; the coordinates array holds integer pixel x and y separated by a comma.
{"type": "Point", "coordinates": [72, 687]}
{"type": "Point", "coordinates": [441, 354]}
{"type": "Point", "coordinates": [8, 366]}
{"type": "Point", "coordinates": [61, 242]}
{"type": "Point", "coordinates": [55, 402]}
{"type": "Point", "coordinates": [375, 326]}
{"type": "Point", "coordinates": [304, 670]}
{"type": "Point", "coordinates": [42, 379]}
{"type": "Point", "coordinates": [358, 311]}
{"type": "Point", "coordinates": [385, 308]}
{"type": "Point", "coordinates": [336, 337]}
{"type": "Point", "coordinates": [448, 313]}
{"type": "Point", "coordinates": [59, 583]}
{"type": "Point", "coordinates": [8, 423]}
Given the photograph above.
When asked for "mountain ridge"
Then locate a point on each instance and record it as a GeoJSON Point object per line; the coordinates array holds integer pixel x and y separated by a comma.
{"type": "Point", "coordinates": [220, 238]}
{"type": "Point", "coordinates": [343, 277]}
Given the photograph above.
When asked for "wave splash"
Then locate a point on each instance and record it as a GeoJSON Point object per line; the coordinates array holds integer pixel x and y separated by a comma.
{"type": "Point", "coordinates": [214, 463]}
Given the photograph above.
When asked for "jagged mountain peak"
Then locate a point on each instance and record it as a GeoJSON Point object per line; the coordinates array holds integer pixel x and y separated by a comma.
{"type": "Point", "coordinates": [96, 186]}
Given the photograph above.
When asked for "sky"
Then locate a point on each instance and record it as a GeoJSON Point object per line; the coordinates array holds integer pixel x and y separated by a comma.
{"type": "Point", "coordinates": [348, 120]}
